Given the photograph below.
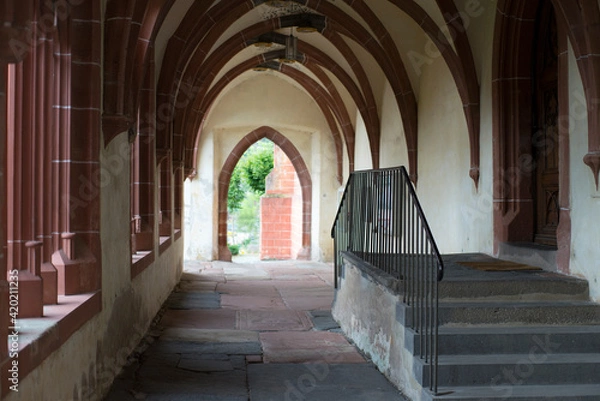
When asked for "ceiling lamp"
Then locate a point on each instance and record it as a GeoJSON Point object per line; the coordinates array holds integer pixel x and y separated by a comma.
{"type": "Point", "coordinates": [277, 3]}
{"type": "Point", "coordinates": [263, 45]}
{"type": "Point", "coordinates": [306, 29]}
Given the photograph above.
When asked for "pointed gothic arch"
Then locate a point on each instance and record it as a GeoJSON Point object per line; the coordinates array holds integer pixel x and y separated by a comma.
{"type": "Point", "coordinates": [513, 94]}
{"type": "Point", "coordinates": [295, 157]}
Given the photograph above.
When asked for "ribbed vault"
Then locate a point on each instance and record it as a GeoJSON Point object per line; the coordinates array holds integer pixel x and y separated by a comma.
{"type": "Point", "coordinates": [196, 66]}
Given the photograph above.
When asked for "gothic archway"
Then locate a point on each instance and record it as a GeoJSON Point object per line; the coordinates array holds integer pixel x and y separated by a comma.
{"type": "Point", "coordinates": [293, 154]}
{"type": "Point", "coordinates": [515, 176]}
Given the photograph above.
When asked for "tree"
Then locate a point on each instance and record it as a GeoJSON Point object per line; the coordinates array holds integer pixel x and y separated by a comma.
{"type": "Point", "coordinates": [247, 215]}
{"type": "Point", "coordinates": [236, 193]}
{"type": "Point", "coordinates": [250, 173]}
{"type": "Point", "coordinates": [256, 168]}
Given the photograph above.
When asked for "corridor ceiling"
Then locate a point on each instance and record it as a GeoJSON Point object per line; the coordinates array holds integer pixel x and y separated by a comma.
{"type": "Point", "coordinates": [348, 52]}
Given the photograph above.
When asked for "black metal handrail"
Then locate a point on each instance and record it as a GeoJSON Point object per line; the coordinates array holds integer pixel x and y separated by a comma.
{"type": "Point", "coordinates": [380, 220]}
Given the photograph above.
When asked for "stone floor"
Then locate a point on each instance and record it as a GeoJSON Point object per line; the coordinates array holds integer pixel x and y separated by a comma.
{"type": "Point", "coordinates": [256, 331]}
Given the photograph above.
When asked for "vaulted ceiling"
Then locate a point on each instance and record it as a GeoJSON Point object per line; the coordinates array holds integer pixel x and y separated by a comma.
{"type": "Point", "coordinates": [346, 52]}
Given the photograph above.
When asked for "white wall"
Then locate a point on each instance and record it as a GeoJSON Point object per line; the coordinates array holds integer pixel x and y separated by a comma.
{"type": "Point", "coordinates": [585, 198]}
{"type": "Point", "coordinates": [444, 184]}
{"type": "Point", "coordinates": [393, 151]}
{"type": "Point", "coordinates": [200, 205]}
{"type": "Point", "coordinates": [362, 148]}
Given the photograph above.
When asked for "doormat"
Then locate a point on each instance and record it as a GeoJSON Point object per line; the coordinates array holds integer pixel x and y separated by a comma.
{"type": "Point", "coordinates": [498, 266]}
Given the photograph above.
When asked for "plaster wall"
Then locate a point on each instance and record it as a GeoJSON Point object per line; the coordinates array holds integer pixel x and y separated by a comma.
{"type": "Point", "coordinates": [478, 18]}
{"type": "Point", "coordinates": [367, 313]}
{"type": "Point", "coordinates": [480, 206]}
{"type": "Point", "coordinates": [444, 186]}
{"type": "Point", "coordinates": [362, 149]}
{"type": "Point", "coordinates": [411, 40]}
{"type": "Point", "coordinates": [91, 358]}
{"type": "Point", "coordinates": [324, 197]}
{"type": "Point", "coordinates": [585, 197]}
{"type": "Point", "coordinates": [393, 150]}
{"type": "Point", "coordinates": [200, 243]}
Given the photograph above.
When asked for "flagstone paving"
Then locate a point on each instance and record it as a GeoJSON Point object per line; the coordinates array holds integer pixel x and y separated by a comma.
{"type": "Point", "coordinates": [255, 331]}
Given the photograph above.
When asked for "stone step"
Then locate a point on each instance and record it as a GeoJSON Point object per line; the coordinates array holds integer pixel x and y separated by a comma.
{"type": "Point", "coordinates": [538, 287]}
{"type": "Point", "coordinates": [522, 312]}
{"type": "Point", "coordinates": [573, 392]}
{"type": "Point", "coordinates": [512, 339]}
{"type": "Point", "coordinates": [495, 371]}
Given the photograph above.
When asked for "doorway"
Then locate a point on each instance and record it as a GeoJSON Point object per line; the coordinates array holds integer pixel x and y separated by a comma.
{"type": "Point", "coordinates": [545, 129]}
{"type": "Point", "coordinates": [531, 137]}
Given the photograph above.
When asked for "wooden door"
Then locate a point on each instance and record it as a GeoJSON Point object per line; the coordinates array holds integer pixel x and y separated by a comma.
{"type": "Point", "coordinates": [545, 134]}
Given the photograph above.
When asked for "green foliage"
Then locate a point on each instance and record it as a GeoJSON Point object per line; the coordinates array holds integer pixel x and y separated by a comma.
{"type": "Point", "coordinates": [236, 193]}
{"type": "Point", "coordinates": [256, 168]}
{"type": "Point", "coordinates": [250, 173]}
{"type": "Point", "coordinates": [234, 249]}
{"type": "Point", "coordinates": [247, 216]}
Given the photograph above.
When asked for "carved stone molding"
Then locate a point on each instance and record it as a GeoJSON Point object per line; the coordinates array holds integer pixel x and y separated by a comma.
{"type": "Point", "coordinates": [113, 125]}
{"type": "Point", "coordinates": [593, 161]}
{"type": "Point", "coordinates": [474, 173]}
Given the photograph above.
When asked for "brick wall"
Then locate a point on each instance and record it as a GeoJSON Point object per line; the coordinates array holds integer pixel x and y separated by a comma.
{"type": "Point", "coordinates": [281, 211]}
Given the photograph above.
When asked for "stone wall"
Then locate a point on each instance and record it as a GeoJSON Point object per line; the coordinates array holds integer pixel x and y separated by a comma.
{"type": "Point", "coordinates": [371, 314]}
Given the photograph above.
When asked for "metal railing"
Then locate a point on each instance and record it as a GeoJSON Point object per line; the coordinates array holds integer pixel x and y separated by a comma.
{"type": "Point", "coordinates": [380, 220]}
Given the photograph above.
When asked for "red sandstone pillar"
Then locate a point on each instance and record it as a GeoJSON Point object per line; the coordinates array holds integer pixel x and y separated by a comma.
{"type": "Point", "coordinates": [3, 283]}
{"type": "Point", "coordinates": [30, 282]}
{"type": "Point", "coordinates": [145, 170]}
{"type": "Point", "coordinates": [44, 143]}
{"type": "Point", "coordinates": [166, 212]}
{"type": "Point", "coordinates": [563, 231]}
{"type": "Point", "coordinates": [178, 196]}
{"type": "Point", "coordinates": [84, 147]}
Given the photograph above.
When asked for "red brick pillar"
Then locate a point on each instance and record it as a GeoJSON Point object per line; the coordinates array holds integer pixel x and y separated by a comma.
{"type": "Point", "coordinates": [278, 239]}
{"type": "Point", "coordinates": [275, 227]}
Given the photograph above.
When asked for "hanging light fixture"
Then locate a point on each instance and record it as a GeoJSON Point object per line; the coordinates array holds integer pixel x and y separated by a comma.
{"type": "Point", "coordinates": [306, 29]}
{"type": "Point", "coordinates": [291, 48]}
{"type": "Point", "coordinates": [263, 45]}
{"type": "Point", "coordinates": [277, 3]}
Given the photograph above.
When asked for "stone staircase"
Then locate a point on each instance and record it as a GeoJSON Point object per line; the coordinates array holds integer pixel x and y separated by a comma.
{"type": "Point", "coordinates": [513, 336]}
